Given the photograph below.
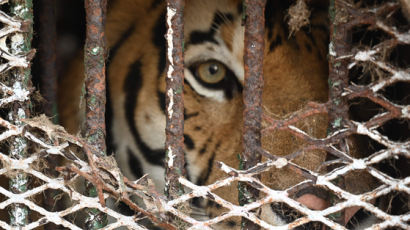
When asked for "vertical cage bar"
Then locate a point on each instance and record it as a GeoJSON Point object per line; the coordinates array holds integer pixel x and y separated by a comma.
{"type": "Point", "coordinates": [20, 78]}
{"type": "Point", "coordinates": [95, 82]}
{"type": "Point", "coordinates": [48, 77]}
{"type": "Point", "coordinates": [340, 38]}
{"type": "Point", "coordinates": [253, 60]}
{"type": "Point", "coordinates": [94, 61]}
{"type": "Point", "coordinates": [174, 130]}
{"type": "Point", "coordinates": [47, 55]}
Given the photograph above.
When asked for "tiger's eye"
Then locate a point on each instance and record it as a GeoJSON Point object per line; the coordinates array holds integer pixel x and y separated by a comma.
{"type": "Point", "coordinates": [211, 72]}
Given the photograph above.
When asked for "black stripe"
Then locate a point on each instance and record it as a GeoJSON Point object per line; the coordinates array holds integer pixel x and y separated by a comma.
{"type": "Point", "coordinates": [239, 8]}
{"type": "Point", "coordinates": [136, 170]}
{"type": "Point", "coordinates": [277, 42]}
{"type": "Point", "coordinates": [159, 41]}
{"type": "Point", "coordinates": [274, 13]}
{"type": "Point", "coordinates": [158, 38]}
{"type": "Point", "coordinates": [198, 37]}
{"type": "Point", "coordinates": [221, 18]}
{"type": "Point", "coordinates": [269, 18]}
{"type": "Point", "coordinates": [190, 115]}
{"type": "Point", "coordinates": [108, 110]}
{"type": "Point", "coordinates": [208, 170]}
{"type": "Point", "coordinates": [134, 164]}
{"type": "Point", "coordinates": [124, 37]}
{"type": "Point", "coordinates": [132, 86]}
{"type": "Point", "coordinates": [108, 119]}
{"type": "Point", "coordinates": [310, 36]}
{"type": "Point", "coordinates": [161, 100]}
{"type": "Point", "coordinates": [189, 143]}
{"type": "Point", "coordinates": [204, 148]}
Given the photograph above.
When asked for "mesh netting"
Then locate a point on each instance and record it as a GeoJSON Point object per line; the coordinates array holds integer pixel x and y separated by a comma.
{"type": "Point", "coordinates": [374, 89]}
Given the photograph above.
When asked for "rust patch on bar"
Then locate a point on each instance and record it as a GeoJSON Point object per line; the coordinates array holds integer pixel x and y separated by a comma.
{"type": "Point", "coordinates": [252, 97]}
{"type": "Point", "coordinates": [95, 98]}
{"type": "Point", "coordinates": [174, 143]}
{"type": "Point", "coordinates": [94, 61]}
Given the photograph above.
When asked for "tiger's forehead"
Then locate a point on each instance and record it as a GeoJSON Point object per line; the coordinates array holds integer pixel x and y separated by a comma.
{"type": "Point", "coordinates": [204, 15]}
{"type": "Point", "coordinates": [196, 18]}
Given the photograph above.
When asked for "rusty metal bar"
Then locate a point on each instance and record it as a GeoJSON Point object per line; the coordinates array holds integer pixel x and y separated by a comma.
{"type": "Point", "coordinates": [340, 38]}
{"type": "Point", "coordinates": [174, 143]}
{"type": "Point", "coordinates": [252, 114]}
{"type": "Point", "coordinates": [20, 79]}
{"type": "Point", "coordinates": [94, 61]}
{"type": "Point", "coordinates": [338, 68]}
{"type": "Point", "coordinates": [47, 55]}
{"type": "Point", "coordinates": [95, 83]}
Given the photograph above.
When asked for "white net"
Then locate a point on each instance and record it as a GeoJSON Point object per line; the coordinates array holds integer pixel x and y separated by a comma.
{"type": "Point", "coordinates": [41, 139]}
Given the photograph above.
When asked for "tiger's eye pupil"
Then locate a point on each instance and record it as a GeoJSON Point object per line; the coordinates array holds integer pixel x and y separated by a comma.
{"type": "Point", "coordinates": [213, 69]}
{"type": "Point", "coordinates": [210, 72]}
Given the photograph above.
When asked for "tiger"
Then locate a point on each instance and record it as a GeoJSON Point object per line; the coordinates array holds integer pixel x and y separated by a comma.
{"type": "Point", "coordinates": [295, 72]}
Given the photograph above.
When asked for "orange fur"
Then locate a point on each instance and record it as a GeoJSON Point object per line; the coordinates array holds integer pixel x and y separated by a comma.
{"type": "Point", "coordinates": [292, 78]}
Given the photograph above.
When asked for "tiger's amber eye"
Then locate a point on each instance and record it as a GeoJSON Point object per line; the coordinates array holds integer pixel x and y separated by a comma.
{"type": "Point", "coordinates": [211, 72]}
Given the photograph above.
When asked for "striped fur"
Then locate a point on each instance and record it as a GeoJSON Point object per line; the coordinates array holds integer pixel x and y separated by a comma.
{"type": "Point", "coordinates": [295, 70]}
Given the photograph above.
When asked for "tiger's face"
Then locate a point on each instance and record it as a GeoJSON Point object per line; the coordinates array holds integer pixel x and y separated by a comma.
{"type": "Point", "coordinates": [295, 72]}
